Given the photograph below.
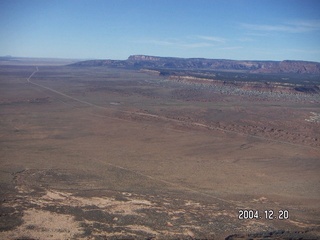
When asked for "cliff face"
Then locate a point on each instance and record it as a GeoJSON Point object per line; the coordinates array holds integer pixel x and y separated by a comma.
{"type": "Point", "coordinates": [257, 86]}
{"type": "Point", "coordinates": [299, 67]}
{"type": "Point", "coordinates": [290, 67]}
{"type": "Point", "coordinates": [143, 61]}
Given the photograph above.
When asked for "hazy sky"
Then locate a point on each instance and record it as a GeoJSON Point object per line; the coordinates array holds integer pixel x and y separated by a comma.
{"type": "Point", "coordinates": [232, 29]}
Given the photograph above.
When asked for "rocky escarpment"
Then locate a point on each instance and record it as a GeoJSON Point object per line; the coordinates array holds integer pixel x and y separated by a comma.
{"type": "Point", "coordinates": [222, 64]}
{"type": "Point", "coordinates": [290, 67]}
{"type": "Point", "coordinates": [294, 77]}
{"type": "Point", "coordinates": [144, 61]}
{"type": "Point", "coordinates": [276, 87]}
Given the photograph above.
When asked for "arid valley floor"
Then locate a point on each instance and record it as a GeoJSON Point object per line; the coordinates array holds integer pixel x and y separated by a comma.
{"type": "Point", "coordinates": [103, 153]}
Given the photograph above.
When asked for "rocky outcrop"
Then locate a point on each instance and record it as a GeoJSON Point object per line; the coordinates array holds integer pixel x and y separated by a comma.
{"type": "Point", "coordinates": [252, 86]}
{"type": "Point", "coordinates": [153, 62]}
{"type": "Point", "coordinates": [287, 66]}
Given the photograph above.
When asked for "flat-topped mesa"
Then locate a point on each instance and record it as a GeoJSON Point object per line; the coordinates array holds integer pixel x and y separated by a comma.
{"type": "Point", "coordinates": [285, 66]}
{"type": "Point", "coordinates": [155, 62]}
{"type": "Point", "coordinates": [143, 58]}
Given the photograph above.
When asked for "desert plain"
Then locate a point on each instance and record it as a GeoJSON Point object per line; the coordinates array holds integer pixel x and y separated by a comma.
{"type": "Point", "coordinates": [111, 153]}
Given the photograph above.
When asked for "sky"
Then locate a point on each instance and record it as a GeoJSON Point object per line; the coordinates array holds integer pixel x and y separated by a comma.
{"type": "Point", "coordinates": [115, 29]}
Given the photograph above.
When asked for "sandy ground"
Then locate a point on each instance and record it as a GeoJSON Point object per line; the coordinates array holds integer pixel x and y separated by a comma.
{"type": "Point", "coordinates": [109, 154]}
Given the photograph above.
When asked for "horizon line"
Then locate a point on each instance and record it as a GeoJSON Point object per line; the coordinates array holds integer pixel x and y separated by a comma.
{"type": "Point", "coordinates": [91, 59]}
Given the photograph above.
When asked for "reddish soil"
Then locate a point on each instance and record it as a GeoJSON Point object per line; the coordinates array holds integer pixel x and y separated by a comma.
{"type": "Point", "coordinates": [98, 153]}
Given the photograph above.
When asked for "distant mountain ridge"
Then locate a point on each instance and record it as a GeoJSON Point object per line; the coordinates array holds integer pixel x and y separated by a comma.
{"type": "Point", "coordinates": [154, 62]}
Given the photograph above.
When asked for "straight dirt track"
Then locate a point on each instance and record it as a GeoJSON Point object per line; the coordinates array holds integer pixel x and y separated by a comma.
{"type": "Point", "coordinates": [110, 158]}
{"type": "Point", "coordinates": [157, 116]}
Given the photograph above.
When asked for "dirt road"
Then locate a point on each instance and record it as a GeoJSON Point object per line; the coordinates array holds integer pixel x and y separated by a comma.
{"type": "Point", "coordinates": [74, 166]}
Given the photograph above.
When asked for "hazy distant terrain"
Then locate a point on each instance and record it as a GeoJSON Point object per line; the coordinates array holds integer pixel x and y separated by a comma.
{"type": "Point", "coordinates": [290, 76]}
{"type": "Point", "coordinates": [159, 148]}
{"type": "Point", "coordinates": [143, 61]}
{"type": "Point", "coordinates": [24, 61]}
